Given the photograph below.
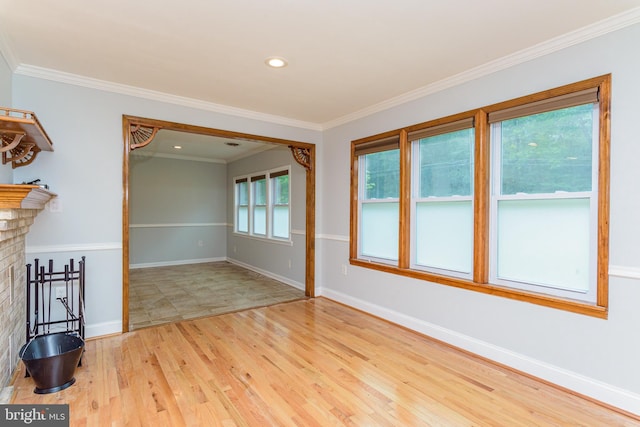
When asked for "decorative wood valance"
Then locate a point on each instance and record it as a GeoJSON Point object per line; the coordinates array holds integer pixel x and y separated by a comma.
{"type": "Point", "coordinates": [140, 136]}
{"type": "Point", "coordinates": [302, 156]}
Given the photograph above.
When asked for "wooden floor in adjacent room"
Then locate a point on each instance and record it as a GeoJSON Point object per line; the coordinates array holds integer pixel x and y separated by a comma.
{"type": "Point", "coordinates": [304, 363]}
{"type": "Point", "coordinates": [168, 294]}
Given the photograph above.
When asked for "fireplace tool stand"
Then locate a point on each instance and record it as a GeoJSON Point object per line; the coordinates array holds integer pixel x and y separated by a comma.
{"type": "Point", "coordinates": [44, 286]}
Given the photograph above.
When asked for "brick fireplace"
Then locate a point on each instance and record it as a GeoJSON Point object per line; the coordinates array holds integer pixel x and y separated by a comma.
{"type": "Point", "coordinates": [19, 205]}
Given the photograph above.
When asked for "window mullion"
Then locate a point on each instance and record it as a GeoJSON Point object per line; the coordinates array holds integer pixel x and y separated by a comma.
{"type": "Point", "coordinates": [404, 244]}
{"type": "Point", "coordinates": [250, 200]}
{"type": "Point", "coordinates": [481, 194]}
{"type": "Point", "coordinates": [494, 191]}
{"type": "Point", "coordinates": [268, 207]}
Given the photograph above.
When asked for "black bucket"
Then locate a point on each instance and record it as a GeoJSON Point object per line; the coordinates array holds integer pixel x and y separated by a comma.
{"type": "Point", "coordinates": [51, 360]}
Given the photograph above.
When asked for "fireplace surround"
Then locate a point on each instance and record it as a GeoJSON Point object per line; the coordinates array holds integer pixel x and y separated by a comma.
{"type": "Point", "coordinates": [19, 206]}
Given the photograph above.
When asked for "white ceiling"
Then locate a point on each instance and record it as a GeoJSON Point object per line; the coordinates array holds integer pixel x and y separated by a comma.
{"type": "Point", "coordinates": [346, 57]}
{"type": "Point", "coordinates": [202, 147]}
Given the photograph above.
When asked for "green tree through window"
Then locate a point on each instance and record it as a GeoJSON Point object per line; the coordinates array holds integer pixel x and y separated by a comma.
{"type": "Point", "coordinates": [548, 152]}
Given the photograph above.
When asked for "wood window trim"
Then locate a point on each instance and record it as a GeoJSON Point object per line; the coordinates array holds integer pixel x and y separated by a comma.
{"type": "Point", "coordinates": [480, 282]}
{"type": "Point", "coordinates": [279, 173]}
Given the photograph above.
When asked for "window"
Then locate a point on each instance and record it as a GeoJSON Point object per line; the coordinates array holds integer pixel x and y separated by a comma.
{"type": "Point", "coordinates": [262, 205]}
{"type": "Point", "coordinates": [378, 200]}
{"type": "Point", "coordinates": [510, 199]}
{"type": "Point", "coordinates": [280, 205]}
{"type": "Point", "coordinates": [544, 199]}
{"type": "Point", "coordinates": [259, 205]}
{"type": "Point", "coordinates": [442, 202]}
{"type": "Point", "coordinates": [242, 206]}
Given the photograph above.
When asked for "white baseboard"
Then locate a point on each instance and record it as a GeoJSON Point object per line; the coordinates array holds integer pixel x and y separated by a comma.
{"type": "Point", "coordinates": [100, 329]}
{"type": "Point", "coordinates": [177, 262]}
{"type": "Point", "coordinates": [581, 384]}
{"type": "Point", "coordinates": [269, 274]}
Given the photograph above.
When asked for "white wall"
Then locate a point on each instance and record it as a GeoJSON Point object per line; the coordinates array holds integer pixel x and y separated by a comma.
{"type": "Point", "coordinates": [6, 176]}
{"type": "Point", "coordinates": [177, 211]}
{"type": "Point", "coordinates": [85, 170]}
{"type": "Point", "coordinates": [285, 261]}
{"type": "Point", "coordinates": [597, 357]}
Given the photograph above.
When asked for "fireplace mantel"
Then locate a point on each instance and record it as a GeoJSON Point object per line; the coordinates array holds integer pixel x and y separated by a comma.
{"type": "Point", "coordinates": [23, 196]}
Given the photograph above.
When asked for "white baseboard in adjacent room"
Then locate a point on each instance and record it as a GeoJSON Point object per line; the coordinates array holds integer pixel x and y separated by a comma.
{"type": "Point", "coordinates": [269, 274]}
{"type": "Point", "coordinates": [176, 262]}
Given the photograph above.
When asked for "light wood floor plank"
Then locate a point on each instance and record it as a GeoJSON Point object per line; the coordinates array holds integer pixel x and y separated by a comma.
{"type": "Point", "coordinates": [303, 363]}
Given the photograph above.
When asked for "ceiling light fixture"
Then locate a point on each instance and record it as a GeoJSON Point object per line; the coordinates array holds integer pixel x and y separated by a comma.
{"type": "Point", "coordinates": [178, 147]}
{"type": "Point", "coordinates": [232, 144]}
{"type": "Point", "coordinates": [276, 62]}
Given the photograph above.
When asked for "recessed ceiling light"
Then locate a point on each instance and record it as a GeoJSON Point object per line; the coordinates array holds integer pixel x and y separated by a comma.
{"type": "Point", "coordinates": [178, 147]}
{"type": "Point", "coordinates": [276, 62]}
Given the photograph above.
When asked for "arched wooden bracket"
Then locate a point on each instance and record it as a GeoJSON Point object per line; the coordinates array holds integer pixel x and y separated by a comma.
{"type": "Point", "coordinates": [140, 135]}
{"type": "Point", "coordinates": [9, 143]}
{"type": "Point", "coordinates": [302, 156]}
{"type": "Point", "coordinates": [21, 155]}
{"type": "Point", "coordinates": [21, 137]}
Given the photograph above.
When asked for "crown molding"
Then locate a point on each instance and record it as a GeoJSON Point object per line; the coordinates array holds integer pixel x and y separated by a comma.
{"type": "Point", "coordinates": [257, 150]}
{"type": "Point", "coordinates": [6, 53]}
{"type": "Point", "coordinates": [5, 50]}
{"type": "Point", "coordinates": [139, 153]}
{"type": "Point", "coordinates": [88, 82]}
{"type": "Point", "coordinates": [589, 32]}
{"type": "Point", "coordinates": [148, 153]}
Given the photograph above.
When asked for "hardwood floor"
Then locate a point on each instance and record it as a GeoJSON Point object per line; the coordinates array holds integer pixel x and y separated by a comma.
{"type": "Point", "coordinates": [303, 363]}
{"type": "Point", "coordinates": [161, 295]}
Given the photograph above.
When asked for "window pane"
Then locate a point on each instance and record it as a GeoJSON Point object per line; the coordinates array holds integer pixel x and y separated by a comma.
{"type": "Point", "coordinates": [260, 220]}
{"type": "Point", "coordinates": [243, 219]}
{"type": "Point", "coordinates": [379, 230]}
{"type": "Point", "coordinates": [243, 193]}
{"type": "Point", "coordinates": [544, 242]}
{"type": "Point", "coordinates": [382, 175]}
{"type": "Point", "coordinates": [260, 192]}
{"type": "Point", "coordinates": [281, 190]}
{"type": "Point", "coordinates": [242, 202]}
{"type": "Point", "coordinates": [547, 152]}
{"type": "Point", "coordinates": [281, 221]}
{"type": "Point", "coordinates": [446, 164]}
{"type": "Point", "coordinates": [259, 206]}
{"type": "Point", "coordinates": [444, 235]}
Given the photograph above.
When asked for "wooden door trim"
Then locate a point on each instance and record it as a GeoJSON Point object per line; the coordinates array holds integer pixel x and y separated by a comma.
{"type": "Point", "coordinates": [129, 121]}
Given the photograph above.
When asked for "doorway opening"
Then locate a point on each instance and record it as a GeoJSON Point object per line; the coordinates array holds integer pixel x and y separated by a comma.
{"type": "Point", "coordinates": [139, 132]}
